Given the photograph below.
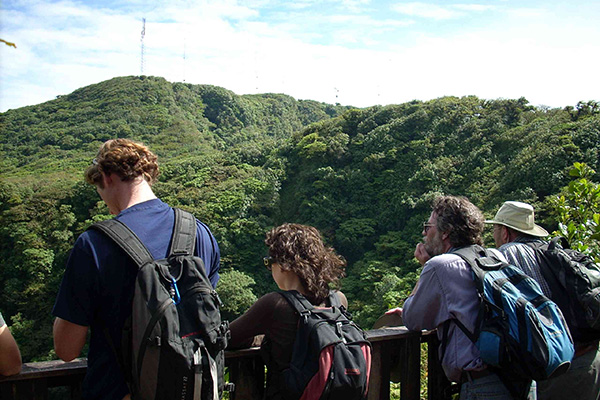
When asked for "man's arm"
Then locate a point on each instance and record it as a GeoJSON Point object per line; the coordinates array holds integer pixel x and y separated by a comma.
{"type": "Point", "coordinates": [69, 339]}
{"type": "Point", "coordinates": [207, 248]}
{"type": "Point", "coordinates": [426, 307]}
{"type": "Point", "coordinates": [10, 356]}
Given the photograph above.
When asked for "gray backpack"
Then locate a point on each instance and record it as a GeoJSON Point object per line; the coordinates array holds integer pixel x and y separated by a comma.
{"type": "Point", "coordinates": [174, 341]}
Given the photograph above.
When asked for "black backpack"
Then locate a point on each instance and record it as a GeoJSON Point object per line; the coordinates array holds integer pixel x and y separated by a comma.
{"type": "Point", "coordinates": [331, 358]}
{"type": "Point", "coordinates": [574, 279]}
{"type": "Point", "coordinates": [173, 343]}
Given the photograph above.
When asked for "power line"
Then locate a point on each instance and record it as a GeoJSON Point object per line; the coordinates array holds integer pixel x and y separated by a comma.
{"type": "Point", "coordinates": [142, 46]}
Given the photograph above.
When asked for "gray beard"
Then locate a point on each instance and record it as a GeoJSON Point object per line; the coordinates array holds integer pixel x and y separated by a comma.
{"type": "Point", "coordinates": [434, 247]}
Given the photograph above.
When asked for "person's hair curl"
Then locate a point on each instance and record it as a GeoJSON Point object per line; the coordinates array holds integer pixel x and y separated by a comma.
{"type": "Point", "coordinates": [460, 218]}
{"type": "Point", "coordinates": [125, 158]}
{"type": "Point", "coordinates": [300, 249]}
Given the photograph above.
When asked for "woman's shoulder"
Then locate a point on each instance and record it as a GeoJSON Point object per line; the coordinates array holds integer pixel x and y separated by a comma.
{"type": "Point", "coordinates": [277, 301]}
{"type": "Point", "coordinates": [272, 297]}
{"type": "Point", "coordinates": [274, 301]}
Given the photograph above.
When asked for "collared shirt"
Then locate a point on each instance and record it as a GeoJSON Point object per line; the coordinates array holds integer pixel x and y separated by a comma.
{"type": "Point", "coordinates": [446, 291]}
{"type": "Point", "coordinates": [522, 256]}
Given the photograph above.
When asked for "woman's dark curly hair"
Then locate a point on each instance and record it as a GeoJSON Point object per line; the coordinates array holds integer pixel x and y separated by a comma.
{"type": "Point", "coordinates": [125, 158]}
{"type": "Point", "coordinates": [460, 218]}
{"type": "Point", "coordinates": [300, 249]}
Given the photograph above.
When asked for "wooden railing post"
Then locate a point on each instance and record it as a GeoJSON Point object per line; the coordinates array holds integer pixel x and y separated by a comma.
{"type": "Point", "coordinates": [247, 372]}
{"type": "Point", "coordinates": [410, 371]}
{"type": "Point", "coordinates": [379, 384]}
{"type": "Point", "coordinates": [395, 348]}
{"type": "Point", "coordinates": [34, 390]}
{"type": "Point", "coordinates": [437, 384]}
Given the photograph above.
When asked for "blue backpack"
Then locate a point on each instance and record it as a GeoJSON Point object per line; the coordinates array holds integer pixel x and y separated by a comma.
{"type": "Point", "coordinates": [519, 332]}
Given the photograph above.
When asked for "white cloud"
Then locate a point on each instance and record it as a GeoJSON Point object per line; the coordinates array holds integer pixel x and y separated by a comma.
{"type": "Point", "coordinates": [427, 10]}
{"type": "Point", "coordinates": [474, 7]}
{"type": "Point", "coordinates": [331, 57]}
{"type": "Point", "coordinates": [364, 20]}
{"type": "Point", "coordinates": [354, 5]}
{"type": "Point", "coordinates": [437, 12]}
{"type": "Point", "coordinates": [524, 12]}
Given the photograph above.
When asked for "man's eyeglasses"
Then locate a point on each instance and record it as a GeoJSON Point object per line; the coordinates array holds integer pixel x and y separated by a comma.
{"type": "Point", "coordinates": [268, 262]}
{"type": "Point", "coordinates": [427, 226]}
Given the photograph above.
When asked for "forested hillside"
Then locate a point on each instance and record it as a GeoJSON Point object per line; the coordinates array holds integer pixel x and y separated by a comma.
{"type": "Point", "coordinates": [364, 177]}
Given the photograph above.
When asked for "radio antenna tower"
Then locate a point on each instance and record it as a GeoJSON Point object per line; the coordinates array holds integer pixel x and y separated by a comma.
{"type": "Point", "coordinates": [142, 46]}
{"type": "Point", "coordinates": [184, 45]}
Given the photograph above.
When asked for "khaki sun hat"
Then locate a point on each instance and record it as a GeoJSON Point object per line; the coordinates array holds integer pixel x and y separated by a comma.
{"type": "Point", "coordinates": [518, 216]}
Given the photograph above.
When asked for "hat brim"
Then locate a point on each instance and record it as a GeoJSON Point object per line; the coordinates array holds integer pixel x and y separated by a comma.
{"type": "Point", "coordinates": [535, 231]}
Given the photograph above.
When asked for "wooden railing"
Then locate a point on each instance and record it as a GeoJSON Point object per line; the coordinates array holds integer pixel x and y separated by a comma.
{"type": "Point", "coordinates": [396, 355]}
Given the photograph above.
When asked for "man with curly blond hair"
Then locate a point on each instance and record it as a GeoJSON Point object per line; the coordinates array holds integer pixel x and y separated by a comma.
{"type": "Point", "coordinates": [98, 284]}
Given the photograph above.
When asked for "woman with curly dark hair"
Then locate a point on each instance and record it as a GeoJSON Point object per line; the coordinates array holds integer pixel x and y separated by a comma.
{"type": "Point", "coordinates": [298, 260]}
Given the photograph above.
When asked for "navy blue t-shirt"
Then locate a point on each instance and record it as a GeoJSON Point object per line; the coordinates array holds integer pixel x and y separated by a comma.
{"type": "Point", "coordinates": [98, 285]}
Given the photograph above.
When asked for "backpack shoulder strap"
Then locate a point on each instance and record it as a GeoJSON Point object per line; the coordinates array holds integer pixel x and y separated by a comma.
{"type": "Point", "coordinates": [131, 244]}
{"type": "Point", "coordinates": [480, 257]}
{"type": "Point", "coordinates": [334, 299]}
{"type": "Point", "coordinates": [470, 252]}
{"type": "Point", "coordinates": [559, 242]}
{"type": "Point", "coordinates": [297, 301]}
{"type": "Point", "coordinates": [481, 260]}
{"type": "Point", "coordinates": [184, 233]}
{"type": "Point", "coordinates": [126, 239]}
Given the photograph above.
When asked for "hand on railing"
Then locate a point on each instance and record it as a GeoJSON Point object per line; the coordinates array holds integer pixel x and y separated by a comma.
{"type": "Point", "coordinates": [397, 311]}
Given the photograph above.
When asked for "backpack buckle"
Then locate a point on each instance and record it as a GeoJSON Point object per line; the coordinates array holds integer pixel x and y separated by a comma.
{"type": "Point", "coordinates": [340, 332]}
{"type": "Point", "coordinates": [224, 335]}
{"type": "Point", "coordinates": [304, 314]}
{"type": "Point", "coordinates": [347, 313]}
{"type": "Point", "coordinates": [156, 341]}
{"type": "Point", "coordinates": [229, 387]}
{"type": "Point", "coordinates": [174, 292]}
{"type": "Point", "coordinates": [217, 298]}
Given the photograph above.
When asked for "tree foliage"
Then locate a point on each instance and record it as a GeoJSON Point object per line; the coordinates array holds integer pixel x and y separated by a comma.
{"type": "Point", "coordinates": [243, 164]}
{"type": "Point", "coordinates": [235, 290]}
{"type": "Point", "coordinates": [577, 210]}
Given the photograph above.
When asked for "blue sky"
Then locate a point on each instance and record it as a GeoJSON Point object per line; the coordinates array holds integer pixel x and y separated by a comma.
{"type": "Point", "coordinates": [355, 52]}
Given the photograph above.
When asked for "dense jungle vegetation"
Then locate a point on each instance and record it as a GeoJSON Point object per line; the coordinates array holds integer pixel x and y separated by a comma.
{"type": "Point", "coordinates": [242, 164]}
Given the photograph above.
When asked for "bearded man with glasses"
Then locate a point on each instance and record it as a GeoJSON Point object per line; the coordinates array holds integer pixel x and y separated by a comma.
{"type": "Point", "coordinates": [446, 291]}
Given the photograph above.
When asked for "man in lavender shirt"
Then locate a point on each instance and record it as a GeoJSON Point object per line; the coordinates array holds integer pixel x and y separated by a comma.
{"type": "Point", "coordinates": [446, 291]}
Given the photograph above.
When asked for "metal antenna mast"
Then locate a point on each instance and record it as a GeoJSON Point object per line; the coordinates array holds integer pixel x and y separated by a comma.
{"type": "Point", "coordinates": [184, 43]}
{"type": "Point", "coordinates": [142, 45]}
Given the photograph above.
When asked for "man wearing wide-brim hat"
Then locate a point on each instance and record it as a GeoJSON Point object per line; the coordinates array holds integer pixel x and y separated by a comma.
{"type": "Point", "coordinates": [516, 234]}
